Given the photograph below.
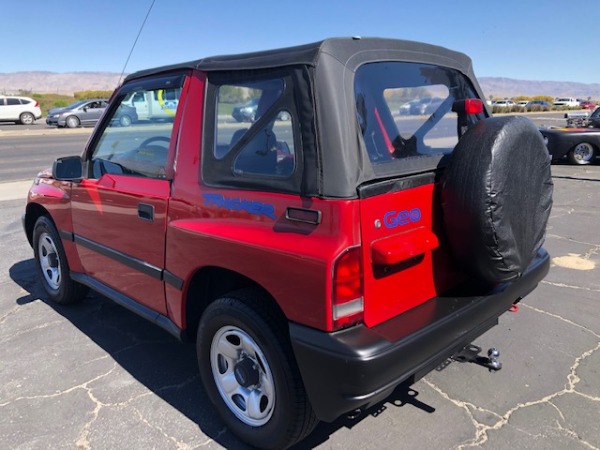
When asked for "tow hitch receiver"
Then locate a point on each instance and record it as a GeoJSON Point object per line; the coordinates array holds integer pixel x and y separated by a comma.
{"type": "Point", "coordinates": [471, 354]}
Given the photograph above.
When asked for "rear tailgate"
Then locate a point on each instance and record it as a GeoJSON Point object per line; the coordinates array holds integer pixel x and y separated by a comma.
{"type": "Point", "coordinates": [405, 263]}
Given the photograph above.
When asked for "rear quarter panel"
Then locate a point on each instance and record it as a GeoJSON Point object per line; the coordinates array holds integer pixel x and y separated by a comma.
{"type": "Point", "coordinates": [292, 261]}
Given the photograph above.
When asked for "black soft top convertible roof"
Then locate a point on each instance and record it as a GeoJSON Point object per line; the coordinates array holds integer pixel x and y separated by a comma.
{"type": "Point", "coordinates": [336, 162]}
{"type": "Point", "coordinates": [345, 50]}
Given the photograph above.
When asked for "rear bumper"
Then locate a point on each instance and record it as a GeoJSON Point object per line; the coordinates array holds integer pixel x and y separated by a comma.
{"type": "Point", "coordinates": [360, 366]}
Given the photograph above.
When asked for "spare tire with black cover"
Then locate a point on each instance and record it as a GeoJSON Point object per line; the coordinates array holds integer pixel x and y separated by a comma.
{"type": "Point", "coordinates": [497, 197]}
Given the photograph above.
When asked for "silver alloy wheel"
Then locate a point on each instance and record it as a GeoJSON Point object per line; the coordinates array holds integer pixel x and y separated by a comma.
{"type": "Point", "coordinates": [27, 118]}
{"type": "Point", "coordinates": [242, 376]}
{"type": "Point", "coordinates": [125, 121]}
{"type": "Point", "coordinates": [49, 262]}
{"type": "Point", "coordinates": [583, 153]}
{"type": "Point", "coordinates": [72, 122]}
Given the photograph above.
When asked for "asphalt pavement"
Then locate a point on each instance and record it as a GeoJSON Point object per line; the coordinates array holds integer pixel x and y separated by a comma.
{"type": "Point", "coordinates": [95, 376]}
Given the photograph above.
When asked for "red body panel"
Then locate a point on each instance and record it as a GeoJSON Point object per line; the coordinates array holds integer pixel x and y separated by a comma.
{"type": "Point", "coordinates": [401, 252]}
{"type": "Point", "coordinates": [105, 211]}
{"type": "Point", "coordinates": [280, 255]}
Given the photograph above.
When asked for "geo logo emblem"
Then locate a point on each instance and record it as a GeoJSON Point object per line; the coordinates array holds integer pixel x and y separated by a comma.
{"type": "Point", "coordinates": [393, 219]}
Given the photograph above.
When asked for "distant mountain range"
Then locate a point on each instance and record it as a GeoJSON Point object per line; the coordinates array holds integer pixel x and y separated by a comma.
{"type": "Point", "coordinates": [508, 87]}
{"type": "Point", "coordinates": [57, 83]}
{"type": "Point", "coordinates": [67, 83]}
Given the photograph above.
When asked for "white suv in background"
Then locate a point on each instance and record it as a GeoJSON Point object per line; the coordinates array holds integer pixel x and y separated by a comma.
{"type": "Point", "coordinates": [23, 110]}
{"type": "Point", "coordinates": [566, 101]}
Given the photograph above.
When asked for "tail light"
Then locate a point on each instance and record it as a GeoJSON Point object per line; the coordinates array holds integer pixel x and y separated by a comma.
{"type": "Point", "coordinates": [348, 301]}
{"type": "Point", "coordinates": [37, 105]}
{"type": "Point", "coordinates": [469, 106]}
{"type": "Point", "coordinates": [468, 112]}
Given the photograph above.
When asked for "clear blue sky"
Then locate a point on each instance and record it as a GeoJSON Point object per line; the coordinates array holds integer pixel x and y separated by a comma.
{"type": "Point", "coordinates": [522, 39]}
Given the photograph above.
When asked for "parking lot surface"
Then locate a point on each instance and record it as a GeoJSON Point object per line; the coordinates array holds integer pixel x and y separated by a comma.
{"type": "Point", "coordinates": [95, 376]}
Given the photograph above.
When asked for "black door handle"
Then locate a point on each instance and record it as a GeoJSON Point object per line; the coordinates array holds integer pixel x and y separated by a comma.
{"type": "Point", "coordinates": [146, 212]}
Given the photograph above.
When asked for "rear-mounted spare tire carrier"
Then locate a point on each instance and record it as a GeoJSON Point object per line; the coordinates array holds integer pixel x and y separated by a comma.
{"type": "Point", "coordinates": [496, 197]}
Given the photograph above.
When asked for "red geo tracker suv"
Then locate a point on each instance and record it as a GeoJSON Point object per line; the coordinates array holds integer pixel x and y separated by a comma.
{"type": "Point", "coordinates": [320, 254]}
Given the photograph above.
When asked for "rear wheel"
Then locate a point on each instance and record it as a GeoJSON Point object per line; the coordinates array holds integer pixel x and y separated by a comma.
{"type": "Point", "coordinates": [72, 122]}
{"type": "Point", "coordinates": [52, 265]}
{"type": "Point", "coordinates": [26, 118]}
{"type": "Point", "coordinates": [582, 154]}
{"type": "Point", "coordinates": [250, 374]}
{"type": "Point", "coordinates": [125, 121]}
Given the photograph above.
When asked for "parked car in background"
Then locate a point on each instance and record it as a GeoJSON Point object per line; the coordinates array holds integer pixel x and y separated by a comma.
{"type": "Point", "coordinates": [504, 103]}
{"type": "Point", "coordinates": [405, 108]}
{"type": "Point", "coordinates": [587, 104]}
{"type": "Point", "coordinates": [426, 105]}
{"type": "Point", "coordinates": [594, 119]}
{"type": "Point", "coordinates": [538, 105]}
{"type": "Point", "coordinates": [87, 113]}
{"type": "Point", "coordinates": [522, 104]}
{"type": "Point", "coordinates": [247, 112]}
{"type": "Point", "coordinates": [569, 102]}
{"type": "Point", "coordinates": [21, 110]}
{"type": "Point", "coordinates": [579, 146]}
{"type": "Point", "coordinates": [83, 112]}
{"type": "Point", "coordinates": [154, 105]}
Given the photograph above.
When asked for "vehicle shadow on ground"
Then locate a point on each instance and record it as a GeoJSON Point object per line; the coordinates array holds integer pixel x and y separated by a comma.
{"type": "Point", "coordinates": [168, 367]}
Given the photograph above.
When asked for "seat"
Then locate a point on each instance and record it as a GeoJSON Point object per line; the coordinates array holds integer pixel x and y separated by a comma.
{"type": "Point", "coordinates": [259, 155]}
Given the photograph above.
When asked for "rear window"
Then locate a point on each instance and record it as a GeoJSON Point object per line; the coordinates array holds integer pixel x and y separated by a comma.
{"type": "Point", "coordinates": [404, 110]}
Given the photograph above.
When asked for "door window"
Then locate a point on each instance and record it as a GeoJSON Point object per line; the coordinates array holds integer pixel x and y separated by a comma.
{"type": "Point", "coordinates": [129, 146]}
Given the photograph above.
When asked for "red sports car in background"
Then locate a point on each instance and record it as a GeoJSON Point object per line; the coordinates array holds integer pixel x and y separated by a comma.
{"type": "Point", "coordinates": [587, 105]}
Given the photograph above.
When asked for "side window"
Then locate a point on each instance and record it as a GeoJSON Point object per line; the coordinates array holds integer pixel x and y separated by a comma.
{"type": "Point", "coordinates": [13, 101]}
{"type": "Point", "coordinates": [255, 129]}
{"type": "Point", "coordinates": [131, 143]}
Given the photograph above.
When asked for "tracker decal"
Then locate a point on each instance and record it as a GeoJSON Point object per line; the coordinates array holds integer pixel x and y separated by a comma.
{"type": "Point", "coordinates": [240, 204]}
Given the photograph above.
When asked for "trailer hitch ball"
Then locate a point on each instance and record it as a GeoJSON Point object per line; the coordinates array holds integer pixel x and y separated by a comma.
{"type": "Point", "coordinates": [493, 363]}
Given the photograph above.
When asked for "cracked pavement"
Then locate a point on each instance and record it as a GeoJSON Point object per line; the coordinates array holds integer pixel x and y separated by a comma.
{"type": "Point", "coordinates": [95, 376]}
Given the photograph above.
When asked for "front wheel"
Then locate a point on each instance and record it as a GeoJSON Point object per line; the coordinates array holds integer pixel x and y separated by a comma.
{"type": "Point", "coordinates": [582, 154]}
{"type": "Point", "coordinates": [52, 265]}
{"type": "Point", "coordinates": [250, 374]}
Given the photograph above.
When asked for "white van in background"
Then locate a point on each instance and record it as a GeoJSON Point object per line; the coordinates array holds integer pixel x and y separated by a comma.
{"type": "Point", "coordinates": [154, 105]}
{"type": "Point", "coordinates": [566, 101]}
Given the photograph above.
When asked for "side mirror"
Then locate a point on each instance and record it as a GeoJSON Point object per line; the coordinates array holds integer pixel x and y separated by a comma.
{"type": "Point", "coordinates": [69, 168]}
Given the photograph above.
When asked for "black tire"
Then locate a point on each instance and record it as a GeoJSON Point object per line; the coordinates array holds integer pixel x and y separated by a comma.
{"type": "Point", "coordinates": [582, 154]}
{"type": "Point", "coordinates": [52, 265]}
{"type": "Point", "coordinates": [497, 197]}
{"type": "Point", "coordinates": [26, 118]}
{"type": "Point", "coordinates": [72, 122]}
{"type": "Point", "coordinates": [239, 329]}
